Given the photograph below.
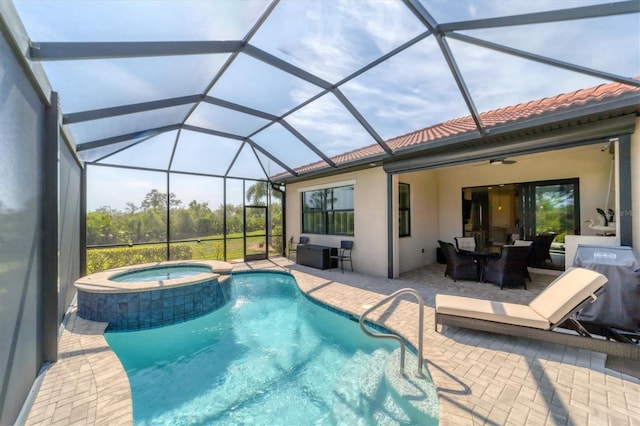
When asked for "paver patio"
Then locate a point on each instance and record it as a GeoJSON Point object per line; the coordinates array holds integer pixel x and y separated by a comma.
{"type": "Point", "coordinates": [481, 378]}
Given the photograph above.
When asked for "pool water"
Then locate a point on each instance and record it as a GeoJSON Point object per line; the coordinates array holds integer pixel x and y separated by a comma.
{"type": "Point", "coordinates": [269, 356]}
{"type": "Point", "coordinates": [162, 273]}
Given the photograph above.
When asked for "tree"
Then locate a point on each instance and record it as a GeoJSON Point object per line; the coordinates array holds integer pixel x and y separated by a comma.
{"type": "Point", "coordinates": [131, 208]}
{"type": "Point", "coordinates": [256, 193]}
{"type": "Point", "coordinates": [158, 200]}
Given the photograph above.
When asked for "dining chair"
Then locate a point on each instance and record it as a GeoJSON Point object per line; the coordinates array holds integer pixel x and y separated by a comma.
{"type": "Point", "coordinates": [459, 266]}
{"type": "Point", "coordinates": [508, 268]}
{"type": "Point", "coordinates": [540, 249]}
{"type": "Point", "coordinates": [527, 244]}
{"type": "Point", "coordinates": [343, 255]}
{"type": "Point", "coordinates": [465, 243]}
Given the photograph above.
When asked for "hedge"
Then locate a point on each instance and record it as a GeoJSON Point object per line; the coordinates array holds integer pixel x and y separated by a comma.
{"type": "Point", "coordinates": [107, 258]}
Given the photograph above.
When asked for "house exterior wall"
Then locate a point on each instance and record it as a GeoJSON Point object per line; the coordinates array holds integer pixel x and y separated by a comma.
{"type": "Point", "coordinates": [419, 248]}
{"type": "Point", "coordinates": [588, 163]}
{"type": "Point", "coordinates": [436, 202]}
{"type": "Point", "coordinates": [370, 249]}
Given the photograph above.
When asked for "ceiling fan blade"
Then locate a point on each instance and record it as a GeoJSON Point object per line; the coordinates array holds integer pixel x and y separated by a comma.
{"type": "Point", "coordinates": [501, 161]}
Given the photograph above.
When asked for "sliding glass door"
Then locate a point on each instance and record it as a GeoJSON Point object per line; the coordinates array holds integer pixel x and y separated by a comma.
{"type": "Point", "coordinates": [543, 212]}
{"type": "Point", "coordinates": [550, 207]}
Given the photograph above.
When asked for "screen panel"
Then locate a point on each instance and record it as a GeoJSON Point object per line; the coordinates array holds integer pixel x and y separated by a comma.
{"type": "Point", "coordinates": [68, 227]}
{"type": "Point", "coordinates": [21, 310]}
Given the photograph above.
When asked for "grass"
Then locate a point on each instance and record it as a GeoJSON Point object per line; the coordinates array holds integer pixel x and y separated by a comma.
{"type": "Point", "coordinates": [210, 248]}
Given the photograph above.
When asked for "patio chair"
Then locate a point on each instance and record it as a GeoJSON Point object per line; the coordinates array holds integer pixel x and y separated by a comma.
{"type": "Point", "coordinates": [343, 255]}
{"type": "Point", "coordinates": [540, 249]}
{"type": "Point", "coordinates": [459, 266]}
{"type": "Point", "coordinates": [510, 268]}
{"type": "Point", "coordinates": [465, 243]}
{"type": "Point", "coordinates": [293, 246]}
{"type": "Point", "coordinates": [526, 243]}
{"type": "Point", "coordinates": [554, 308]}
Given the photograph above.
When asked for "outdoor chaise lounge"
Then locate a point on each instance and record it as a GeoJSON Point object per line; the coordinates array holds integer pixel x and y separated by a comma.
{"type": "Point", "coordinates": [554, 307]}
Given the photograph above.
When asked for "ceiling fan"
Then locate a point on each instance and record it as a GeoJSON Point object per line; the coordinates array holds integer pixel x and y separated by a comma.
{"type": "Point", "coordinates": [501, 161]}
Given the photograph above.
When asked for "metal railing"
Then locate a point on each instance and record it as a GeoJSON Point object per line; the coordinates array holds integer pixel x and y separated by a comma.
{"type": "Point", "coordinates": [395, 336]}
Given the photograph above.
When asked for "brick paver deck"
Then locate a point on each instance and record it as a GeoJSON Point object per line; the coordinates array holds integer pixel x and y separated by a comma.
{"type": "Point", "coordinates": [481, 378]}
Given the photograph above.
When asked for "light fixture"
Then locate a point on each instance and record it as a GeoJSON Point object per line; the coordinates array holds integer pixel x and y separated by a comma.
{"type": "Point", "coordinates": [499, 199]}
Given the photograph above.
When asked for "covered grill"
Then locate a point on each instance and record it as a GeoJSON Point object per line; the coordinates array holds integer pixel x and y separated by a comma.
{"type": "Point", "coordinates": [616, 313]}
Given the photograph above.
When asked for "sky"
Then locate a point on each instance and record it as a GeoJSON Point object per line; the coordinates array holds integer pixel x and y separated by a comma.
{"type": "Point", "coordinates": [331, 39]}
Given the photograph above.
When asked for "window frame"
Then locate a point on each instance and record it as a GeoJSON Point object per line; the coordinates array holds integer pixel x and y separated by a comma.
{"type": "Point", "coordinates": [326, 211]}
{"type": "Point", "coordinates": [402, 209]}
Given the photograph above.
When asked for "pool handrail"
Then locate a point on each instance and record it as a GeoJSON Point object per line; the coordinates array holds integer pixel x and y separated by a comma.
{"type": "Point", "coordinates": [395, 336]}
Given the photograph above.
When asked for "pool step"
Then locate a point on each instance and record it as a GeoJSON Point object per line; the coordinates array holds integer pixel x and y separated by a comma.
{"type": "Point", "coordinates": [344, 393]}
{"type": "Point", "coordinates": [356, 386]}
{"type": "Point", "coordinates": [417, 395]}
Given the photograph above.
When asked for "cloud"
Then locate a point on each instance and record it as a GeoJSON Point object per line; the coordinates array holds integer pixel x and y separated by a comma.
{"type": "Point", "coordinates": [125, 20]}
{"type": "Point", "coordinates": [331, 39]}
{"type": "Point", "coordinates": [329, 126]}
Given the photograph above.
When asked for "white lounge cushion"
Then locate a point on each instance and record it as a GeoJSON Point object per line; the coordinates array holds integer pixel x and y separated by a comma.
{"type": "Point", "coordinates": [566, 292]}
{"type": "Point", "coordinates": [558, 300]}
{"type": "Point", "coordinates": [506, 313]}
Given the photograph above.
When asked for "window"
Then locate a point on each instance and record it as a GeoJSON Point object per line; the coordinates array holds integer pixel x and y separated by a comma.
{"type": "Point", "coordinates": [404, 207]}
{"type": "Point", "coordinates": [328, 211]}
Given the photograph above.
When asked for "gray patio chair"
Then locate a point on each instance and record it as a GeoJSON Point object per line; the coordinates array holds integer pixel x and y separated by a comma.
{"type": "Point", "coordinates": [510, 268]}
{"type": "Point", "coordinates": [465, 243]}
{"type": "Point", "coordinates": [459, 266]}
{"type": "Point", "coordinates": [343, 255]}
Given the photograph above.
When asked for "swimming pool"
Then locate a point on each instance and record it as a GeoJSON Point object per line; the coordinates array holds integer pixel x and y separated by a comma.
{"type": "Point", "coordinates": [269, 356]}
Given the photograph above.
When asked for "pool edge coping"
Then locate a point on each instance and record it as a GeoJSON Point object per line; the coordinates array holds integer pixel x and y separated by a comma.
{"type": "Point", "coordinates": [100, 282]}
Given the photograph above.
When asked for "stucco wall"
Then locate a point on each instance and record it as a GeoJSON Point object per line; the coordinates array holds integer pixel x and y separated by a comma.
{"type": "Point", "coordinates": [589, 164]}
{"type": "Point", "coordinates": [424, 221]}
{"type": "Point", "coordinates": [370, 204]}
{"type": "Point", "coordinates": [436, 202]}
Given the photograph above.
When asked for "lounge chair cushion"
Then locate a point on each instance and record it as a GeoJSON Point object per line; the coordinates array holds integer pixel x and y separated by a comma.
{"type": "Point", "coordinates": [506, 313]}
{"type": "Point", "coordinates": [566, 292]}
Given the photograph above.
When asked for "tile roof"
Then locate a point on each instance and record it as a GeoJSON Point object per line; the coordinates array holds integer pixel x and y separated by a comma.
{"type": "Point", "coordinates": [462, 125]}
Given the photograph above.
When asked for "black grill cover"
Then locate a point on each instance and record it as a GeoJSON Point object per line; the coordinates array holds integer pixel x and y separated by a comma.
{"type": "Point", "coordinates": [618, 305]}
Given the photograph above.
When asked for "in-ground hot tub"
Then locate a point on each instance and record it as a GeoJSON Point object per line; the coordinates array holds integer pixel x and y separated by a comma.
{"type": "Point", "coordinates": [154, 294]}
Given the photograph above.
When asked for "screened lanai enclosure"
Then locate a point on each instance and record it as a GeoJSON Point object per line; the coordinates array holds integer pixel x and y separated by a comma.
{"type": "Point", "coordinates": [189, 116]}
{"type": "Point", "coordinates": [139, 131]}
